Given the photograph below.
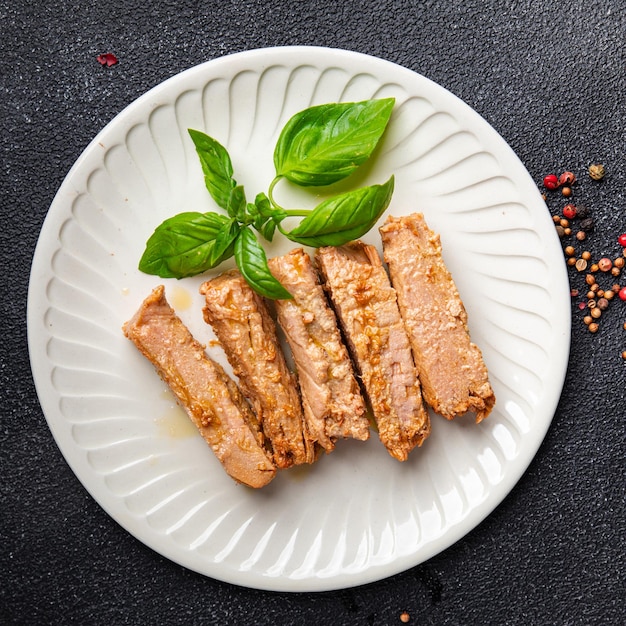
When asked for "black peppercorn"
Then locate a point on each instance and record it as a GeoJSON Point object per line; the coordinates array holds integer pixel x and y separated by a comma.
{"type": "Point", "coordinates": [582, 212]}
{"type": "Point", "coordinates": [587, 224]}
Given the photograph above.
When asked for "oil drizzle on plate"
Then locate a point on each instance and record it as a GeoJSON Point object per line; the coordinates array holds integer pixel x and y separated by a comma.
{"type": "Point", "coordinates": [174, 423]}
{"type": "Point", "coordinates": [180, 298]}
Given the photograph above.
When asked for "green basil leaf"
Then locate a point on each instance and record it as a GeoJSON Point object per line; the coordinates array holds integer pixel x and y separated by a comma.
{"type": "Point", "coordinates": [236, 206]}
{"type": "Point", "coordinates": [253, 211]}
{"type": "Point", "coordinates": [268, 229]}
{"type": "Point", "coordinates": [186, 244]}
{"type": "Point", "coordinates": [224, 246]}
{"type": "Point", "coordinates": [264, 205]}
{"type": "Point", "coordinates": [216, 165]}
{"type": "Point", "coordinates": [252, 263]}
{"type": "Point", "coordinates": [326, 143]}
{"type": "Point", "coordinates": [343, 218]}
{"type": "Point", "coordinates": [266, 217]}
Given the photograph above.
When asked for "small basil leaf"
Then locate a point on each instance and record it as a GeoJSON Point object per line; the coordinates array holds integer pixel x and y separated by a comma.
{"type": "Point", "coordinates": [264, 205]}
{"type": "Point", "coordinates": [252, 263]}
{"type": "Point", "coordinates": [183, 245]}
{"type": "Point", "coordinates": [268, 229]}
{"type": "Point", "coordinates": [224, 246]}
{"type": "Point", "coordinates": [236, 206]}
{"type": "Point", "coordinates": [253, 211]}
{"type": "Point", "coordinates": [326, 143]}
{"type": "Point", "coordinates": [216, 166]}
{"type": "Point", "coordinates": [344, 217]}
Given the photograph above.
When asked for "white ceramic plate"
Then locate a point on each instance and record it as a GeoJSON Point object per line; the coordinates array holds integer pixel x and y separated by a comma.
{"type": "Point", "coordinates": [357, 515]}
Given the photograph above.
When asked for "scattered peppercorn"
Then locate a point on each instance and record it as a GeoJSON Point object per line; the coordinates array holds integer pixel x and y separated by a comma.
{"type": "Point", "coordinates": [605, 264]}
{"type": "Point", "coordinates": [582, 211]}
{"type": "Point", "coordinates": [596, 171]}
{"type": "Point", "coordinates": [567, 178]}
{"type": "Point", "coordinates": [551, 181]}
{"type": "Point", "coordinates": [108, 59]}
{"type": "Point", "coordinates": [405, 617]}
{"type": "Point", "coordinates": [624, 355]}
{"type": "Point", "coordinates": [570, 211]}
{"type": "Point", "coordinates": [587, 224]}
{"type": "Point", "coordinates": [597, 299]}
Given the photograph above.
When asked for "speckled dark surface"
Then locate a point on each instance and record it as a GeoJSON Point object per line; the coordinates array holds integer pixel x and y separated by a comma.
{"type": "Point", "coordinates": [551, 78]}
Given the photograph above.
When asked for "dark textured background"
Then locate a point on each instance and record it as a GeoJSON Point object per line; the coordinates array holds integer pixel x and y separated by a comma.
{"type": "Point", "coordinates": [550, 77]}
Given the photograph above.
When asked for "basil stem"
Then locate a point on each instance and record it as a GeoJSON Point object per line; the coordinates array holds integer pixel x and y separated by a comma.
{"type": "Point", "coordinates": [326, 143]}
{"type": "Point", "coordinates": [344, 217]}
{"type": "Point", "coordinates": [252, 263]}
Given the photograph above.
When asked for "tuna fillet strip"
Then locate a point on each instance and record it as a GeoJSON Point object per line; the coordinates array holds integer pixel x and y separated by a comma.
{"type": "Point", "coordinates": [366, 307]}
{"type": "Point", "coordinates": [207, 394]}
{"type": "Point", "coordinates": [453, 374]}
{"type": "Point", "coordinates": [247, 332]}
{"type": "Point", "coordinates": [333, 405]}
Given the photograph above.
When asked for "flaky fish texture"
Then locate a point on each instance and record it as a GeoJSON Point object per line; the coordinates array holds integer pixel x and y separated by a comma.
{"type": "Point", "coordinates": [451, 368]}
{"type": "Point", "coordinates": [365, 304]}
{"type": "Point", "coordinates": [207, 394]}
{"type": "Point", "coordinates": [333, 405]}
{"type": "Point", "coordinates": [245, 329]}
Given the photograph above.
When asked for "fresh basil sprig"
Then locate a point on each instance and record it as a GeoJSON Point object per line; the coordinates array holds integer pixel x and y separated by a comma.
{"type": "Point", "coordinates": [317, 147]}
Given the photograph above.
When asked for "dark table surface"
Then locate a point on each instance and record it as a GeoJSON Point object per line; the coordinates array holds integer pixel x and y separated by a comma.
{"type": "Point", "coordinates": [550, 77]}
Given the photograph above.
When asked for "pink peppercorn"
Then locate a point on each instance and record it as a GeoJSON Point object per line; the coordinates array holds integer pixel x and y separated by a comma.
{"type": "Point", "coordinates": [569, 211]}
{"type": "Point", "coordinates": [622, 293]}
{"type": "Point", "coordinates": [622, 240]}
{"type": "Point", "coordinates": [551, 181]}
